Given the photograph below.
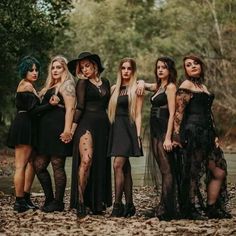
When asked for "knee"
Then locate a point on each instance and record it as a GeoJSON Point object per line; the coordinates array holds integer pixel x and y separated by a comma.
{"type": "Point", "coordinates": [86, 162]}
{"type": "Point", "coordinates": [117, 166]}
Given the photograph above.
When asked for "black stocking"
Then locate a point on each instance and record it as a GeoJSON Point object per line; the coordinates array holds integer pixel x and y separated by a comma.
{"type": "Point", "coordinates": [167, 201]}
{"type": "Point", "coordinates": [58, 165]}
{"type": "Point", "coordinates": [40, 165]}
{"type": "Point", "coordinates": [128, 183]}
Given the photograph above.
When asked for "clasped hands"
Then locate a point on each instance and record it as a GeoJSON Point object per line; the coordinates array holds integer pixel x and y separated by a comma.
{"type": "Point", "coordinates": [66, 137]}
{"type": "Point", "coordinates": [54, 100]}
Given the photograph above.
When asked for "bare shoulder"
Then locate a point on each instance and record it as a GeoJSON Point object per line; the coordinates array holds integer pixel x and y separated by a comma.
{"type": "Point", "coordinates": [171, 87]}
{"type": "Point", "coordinates": [68, 88]}
{"type": "Point", "coordinates": [25, 87]}
{"type": "Point", "coordinates": [187, 84]}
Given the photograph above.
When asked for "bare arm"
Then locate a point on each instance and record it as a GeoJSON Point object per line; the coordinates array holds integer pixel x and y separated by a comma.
{"type": "Point", "coordinates": [170, 91]}
{"type": "Point", "coordinates": [138, 116]}
{"type": "Point", "coordinates": [68, 92]}
{"type": "Point", "coordinates": [142, 85]}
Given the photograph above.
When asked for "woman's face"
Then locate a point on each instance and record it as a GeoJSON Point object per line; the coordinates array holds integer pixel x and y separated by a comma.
{"type": "Point", "coordinates": [162, 70]}
{"type": "Point", "coordinates": [57, 70]}
{"type": "Point", "coordinates": [32, 75]}
{"type": "Point", "coordinates": [126, 71]}
{"type": "Point", "coordinates": [87, 68]}
{"type": "Point", "coordinates": [193, 68]}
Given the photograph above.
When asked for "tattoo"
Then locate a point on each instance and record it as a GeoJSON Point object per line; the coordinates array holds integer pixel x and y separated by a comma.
{"type": "Point", "coordinates": [68, 88]}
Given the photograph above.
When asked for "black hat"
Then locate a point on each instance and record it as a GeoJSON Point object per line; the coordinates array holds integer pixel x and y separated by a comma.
{"type": "Point", "coordinates": [85, 55]}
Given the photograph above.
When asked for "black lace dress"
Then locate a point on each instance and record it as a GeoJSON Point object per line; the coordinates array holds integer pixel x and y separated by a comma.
{"type": "Point", "coordinates": [51, 125]}
{"type": "Point", "coordinates": [91, 116]}
{"type": "Point", "coordinates": [23, 129]}
{"type": "Point", "coordinates": [160, 161]}
{"type": "Point", "coordinates": [123, 139]}
{"type": "Point", "coordinates": [194, 128]}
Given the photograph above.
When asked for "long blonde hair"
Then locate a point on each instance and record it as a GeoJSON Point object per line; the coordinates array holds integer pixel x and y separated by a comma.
{"type": "Point", "coordinates": [65, 76]}
{"type": "Point", "coordinates": [131, 91]}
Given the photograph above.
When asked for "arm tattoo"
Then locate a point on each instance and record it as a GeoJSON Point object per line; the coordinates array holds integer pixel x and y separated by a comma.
{"type": "Point", "coordinates": [68, 88]}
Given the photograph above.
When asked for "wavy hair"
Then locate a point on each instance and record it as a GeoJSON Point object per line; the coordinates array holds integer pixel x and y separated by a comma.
{"type": "Point", "coordinates": [131, 91]}
{"type": "Point", "coordinates": [26, 65]}
{"type": "Point", "coordinates": [196, 58]}
{"type": "Point", "coordinates": [170, 64]}
{"type": "Point", "coordinates": [65, 76]}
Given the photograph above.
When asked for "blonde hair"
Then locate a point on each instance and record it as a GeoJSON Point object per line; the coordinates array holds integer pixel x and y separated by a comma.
{"type": "Point", "coordinates": [65, 76]}
{"type": "Point", "coordinates": [131, 92]}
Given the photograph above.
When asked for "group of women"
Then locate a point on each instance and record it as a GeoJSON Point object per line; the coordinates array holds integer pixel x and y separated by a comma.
{"type": "Point", "coordinates": [105, 122]}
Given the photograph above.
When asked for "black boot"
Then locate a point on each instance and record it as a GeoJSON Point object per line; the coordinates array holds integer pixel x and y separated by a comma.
{"type": "Point", "coordinates": [213, 212]}
{"type": "Point", "coordinates": [195, 214]}
{"type": "Point", "coordinates": [55, 205]}
{"type": "Point", "coordinates": [129, 210]}
{"type": "Point", "coordinates": [29, 202]}
{"type": "Point", "coordinates": [118, 210]}
{"type": "Point", "coordinates": [20, 205]}
{"type": "Point", "coordinates": [81, 210]}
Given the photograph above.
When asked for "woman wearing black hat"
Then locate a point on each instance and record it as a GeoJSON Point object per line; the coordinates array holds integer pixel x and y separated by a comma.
{"type": "Point", "coordinates": [91, 169]}
{"type": "Point", "coordinates": [161, 125]}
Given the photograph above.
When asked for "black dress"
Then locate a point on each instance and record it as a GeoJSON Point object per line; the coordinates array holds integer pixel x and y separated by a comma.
{"type": "Point", "coordinates": [51, 125]}
{"type": "Point", "coordinates": [196, 131]}
{"type": "Point", "coordinates": [123, 139]}
{"type": "Point", "coordinates": [23, 129]}
{"type": "Point", "coordinates": [91, 116]}
{"type": "Point", "coordinates": [160, 161]}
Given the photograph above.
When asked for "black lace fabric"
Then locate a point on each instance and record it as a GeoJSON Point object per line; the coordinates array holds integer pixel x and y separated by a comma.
{"type": "Point", "coordinates": [58, 164]}
{"type": "Point", "coordinates": [194, 128]}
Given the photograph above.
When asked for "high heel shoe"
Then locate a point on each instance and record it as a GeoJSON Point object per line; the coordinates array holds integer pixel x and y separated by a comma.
{"type": "Point", "coordinates": [129, 210]}
{"type": "Point", "coordinates": [81, 210]}
{"type": "Point", "coordinates": [118, 210]}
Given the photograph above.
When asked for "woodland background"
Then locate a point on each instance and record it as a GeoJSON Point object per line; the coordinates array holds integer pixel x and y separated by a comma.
{"type": "Point", "coordinates": [142, 29]}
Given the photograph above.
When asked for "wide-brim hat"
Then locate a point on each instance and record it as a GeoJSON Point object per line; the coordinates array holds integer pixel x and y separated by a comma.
{"type": "Point", "coordinates": [85, 55]}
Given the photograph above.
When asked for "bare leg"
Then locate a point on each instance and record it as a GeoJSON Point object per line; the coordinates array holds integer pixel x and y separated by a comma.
{"type": "Point", "coordinates": [29, 174]}
{"type": "Point", "coordinates": [22, 154]}
{"type": "Point", "coordinates": [86, 153]}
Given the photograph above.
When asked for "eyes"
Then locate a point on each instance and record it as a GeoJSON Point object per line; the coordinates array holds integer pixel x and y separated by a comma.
{"type": "Point", "coordinates": [56, 67]}
{"type": "Point", "coordinates": [33, 69]}
{"type": "Point", "coordinates": [126, 68]}
{"type": "Point", "coordinates": [189, 64]}
{"type": "Point", "coordinates": [161, 67]}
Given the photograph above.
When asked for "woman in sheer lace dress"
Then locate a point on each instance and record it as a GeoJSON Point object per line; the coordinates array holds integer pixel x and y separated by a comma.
{"type": "Point", "coordinates": [160, 156]}
{"type": "Point", "coordinates": [194, 131]}
{"type": "Point", "coordinates": [91, 169]}
{"type": "Point", "coordinates": [124, 140]}
{"type": "Point", "coordinates": [54, 133]}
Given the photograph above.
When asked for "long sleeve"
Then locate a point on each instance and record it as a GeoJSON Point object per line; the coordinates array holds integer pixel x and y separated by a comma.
{"type": "Point", "coordinates": [80, 94]}
{"type": "Point", "coordinates": [183, 97]}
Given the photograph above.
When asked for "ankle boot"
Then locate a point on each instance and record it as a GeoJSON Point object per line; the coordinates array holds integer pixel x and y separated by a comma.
{"type": "Point", "coordinates": [55, 205]}
{"type": "Point", "coordinates": [81, 210]}
{"type": "Point", "coordinates": [118, 210]}
{"type": "Point", "coordinates": [29, 202]}
{"type": "Point", "coordinates": [129, 210]}
{"type": "Point", "coordinates": [20, 205]}
{"type": "Point", "coordinates": [213, 212]}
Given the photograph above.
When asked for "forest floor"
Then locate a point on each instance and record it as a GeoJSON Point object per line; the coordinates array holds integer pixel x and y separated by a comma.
{"type": "Point", "coordinates": [66, 223]}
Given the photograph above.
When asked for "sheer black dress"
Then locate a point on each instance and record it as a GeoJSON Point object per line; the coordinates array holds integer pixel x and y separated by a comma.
{"type": "Point", "coordinates": [194, 128]}
{"type": "Point", "coordinates": [91, 116]}
{"type": "Point", "coordinates": [160, 161]}
{"type": "Point", "coordinates": [123, 138]}
{"type": "Point", "coordinates": [23, 129]}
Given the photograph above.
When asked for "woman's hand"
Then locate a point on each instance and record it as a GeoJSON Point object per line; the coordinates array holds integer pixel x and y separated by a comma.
{"type": "Point", "coordinates": [81, 76]}
{"type": "Point", "coordinates": [140, 87]}
{"type": "Point", "coordinates": [66, 137]}
{"type": "Point", "coordinates": [167, 145]}
{"type": "Point", "coordinates": [176, 144]}
{"type": "Point", "coordinates": [54, 100]}
{"type": "Point", "coordinates": [217, 142]}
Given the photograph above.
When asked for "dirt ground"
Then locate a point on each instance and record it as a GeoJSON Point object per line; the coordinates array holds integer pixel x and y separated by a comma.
{"type": "Point", "coordinates": [66, 223]}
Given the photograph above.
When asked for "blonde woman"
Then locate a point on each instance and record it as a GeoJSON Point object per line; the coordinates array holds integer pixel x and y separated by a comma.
{"type": "Point", "coordinates": [124, 113]}
{"type": "Point", "coordinates": [54, 133]}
